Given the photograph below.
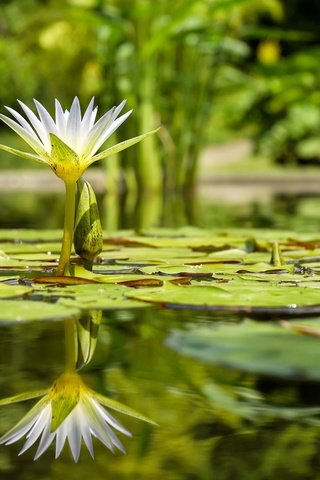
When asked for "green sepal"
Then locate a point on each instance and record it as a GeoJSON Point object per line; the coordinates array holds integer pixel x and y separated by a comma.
{"type": "Point", "coordinates": [88, 236]}
{"type": "Point", "coordinates": [64, 161]}
{"type": "Point", "coordinates": [62, 404]}
{"type": "Point", "coordinates": [23, 396]}
{"type": "Point", "coordinates": [122, 146]}
{"type": "Point", "coordinates": [60, 150]}
{"type": "Point", "coordinates": [20, 153]}
{"type": "Point", "coordinates": [119, 407]}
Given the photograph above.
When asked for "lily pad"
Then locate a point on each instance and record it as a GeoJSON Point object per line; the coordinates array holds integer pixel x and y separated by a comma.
{"type": "Point", "coordinates": [30, 250]}
{"type": "Point", "coordinates": [235, 297]}
{"type": "Point", "coordinates": [266, 349]}
{"type": "Point", "coordinates": [186, 268]}
{"type": "Point", "coordinates": [96, 297]}
{"type": "Point", "coordinates": [13, 291]}
{"type": "Point", "coordinates": [29, 235]}
{"type": "Point", "coordinates": [27, 311]}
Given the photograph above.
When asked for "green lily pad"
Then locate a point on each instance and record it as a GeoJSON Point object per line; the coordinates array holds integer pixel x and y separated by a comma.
{"type": "Point", "coordinates": [29, 235]}
{"type": "Point", "coordinates": [13, 291]}
{"type": "Point", "coordinates": [30, 250]}
{"type": "Point", "coordinates": [96, 297]}
{"type": "Point", "coordinates": [281, 277]}
{"type": "Point", "coordinates": [266, 349]}
{"type": "Point", "coordinates": [150, 255]}
{"type": "Point", "coordinates": [235, 297]}
{"type": "Point", "coordinates": [215, 268]}
{"type": "Point", "coordinates": [29, 311]}
{"type": "Point", "coordinates": [212, 270]}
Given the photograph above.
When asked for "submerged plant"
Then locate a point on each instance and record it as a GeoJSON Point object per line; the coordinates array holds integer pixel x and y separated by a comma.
{"type": "Point", "coordinates": [71, 411]}
{"type": "Point", "coordinates": [67, 143]}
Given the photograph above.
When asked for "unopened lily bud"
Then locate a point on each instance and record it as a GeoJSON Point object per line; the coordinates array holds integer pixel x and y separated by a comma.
{"type": "Point", "coordinates": [88, 238]}
{"type": "Point", "coordinates": [87, 335]}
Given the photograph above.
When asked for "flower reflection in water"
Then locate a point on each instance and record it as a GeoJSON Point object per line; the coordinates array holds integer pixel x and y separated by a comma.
{"type": "Point", "coordinates": [69, 410]}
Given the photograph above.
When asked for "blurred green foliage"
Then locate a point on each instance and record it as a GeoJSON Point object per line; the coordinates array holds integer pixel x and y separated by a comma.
{"type": "Point", "coordinates": [168, 59]}
{"type": "Point", "coordinates": [204, 70]}
{"type": "Point", "coordinates": [276, 98]}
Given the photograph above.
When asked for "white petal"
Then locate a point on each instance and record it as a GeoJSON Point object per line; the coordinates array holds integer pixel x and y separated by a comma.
{"type": "Point", "coordinates": [95, 132]}
{"type": "Point", "coordinates": [101, 433]}
{"type": "Point", "coordinates": [86, 434]}
{"type": "Point", "coordinates": [74, 434]}
{"type": "Point", "coordinates": [85, 430]}
{"type": "Point", "coordinates": [74, 125]}
{"type": "Point", "coordinates": [109, 440]}
{"type": "Point", "coordinates": [37, 125]}
{"type": "Point", "coordinates": [97, 424]}
{"type": "Point", "coordinates": [17, 433]}
{"type": "Point", "coordinates": [61, 122]}
{"type": "Point", "coordinates": [110, 419]}
{"type": "Point", "coordinates": [37, 429]}
{"type": "Point", "coordinates": [86, 125]}
{"type": "Point", "coordinates": [23, 122]}
{"type": "Point", "coordinates": [87, 117]}
{"type": "Point", "coordinates": [24, 425]}
{"type": "Point", "coordinates": [46, 440]}
{"type": "Point", "coordinates": [46, 118]}
{"type": "Point", "coordinates": [118, 109]}
{"type": "Point", "coordinates": [61, 435]}
{"type": "Point", "coordinates": [116, 442]}
{"type": "Point", "coordinates": [118, 147]}
{"type": "Point", "coordinates": [93, 117]}
{"type": "Point", "coordinates": [32, 140]}
{"type": "Point", "coordinates": [103, 137]}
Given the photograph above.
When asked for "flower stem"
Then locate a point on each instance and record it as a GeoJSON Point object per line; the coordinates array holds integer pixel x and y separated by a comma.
{"type": "Point", "coordinates": [68, 228]}
{"type": "Point", "coordinates": [70, 345]}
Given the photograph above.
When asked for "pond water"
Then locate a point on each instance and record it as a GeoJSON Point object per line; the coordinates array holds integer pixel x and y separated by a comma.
{"type": "Point", "coordinates": [213, 422]}
{"type": "Point", "coordinates": [208, 208]}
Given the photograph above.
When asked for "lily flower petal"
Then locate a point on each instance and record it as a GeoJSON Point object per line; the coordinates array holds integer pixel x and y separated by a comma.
{"type": "Point", "coordinates": [109, 131]}
{"type": "Point", "coordinates": [37, 429]}
{"type": "Point", "coordinates": [61, 123]}
{"type": "Point", "coordinates": [61, 437]}
{"type": "Point", "coordinates": [29, 138]}
{"type": "Point", "coordinates": [88, 118]}
{"type": "Point", "coordinates": [73, 134]}
{"type": "Point", "coordinates": [121, 146]}
{"type": "Point", "coordinates": [97, 129]}
{"type": "Point", "coordinates": [81, 417]}
{"type": "Point", "coordinates": [45, 118]}
{"type": "Point", "coordinates": [23, 122]}
{"type": "Point", "coordinates": [82, 134]}
{"type": "Point", "coordinates": [45, 442]}
{"type": "Point", "coordinates": [24, 426]}
{"type": "Point", "coordinates": [37, 125]}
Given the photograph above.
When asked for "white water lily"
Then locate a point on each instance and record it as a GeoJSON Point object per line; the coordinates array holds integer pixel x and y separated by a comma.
{"type": "Point", "coordinates": [69, 411]}
{"type": "Point", "coordinates": [69, 142]}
